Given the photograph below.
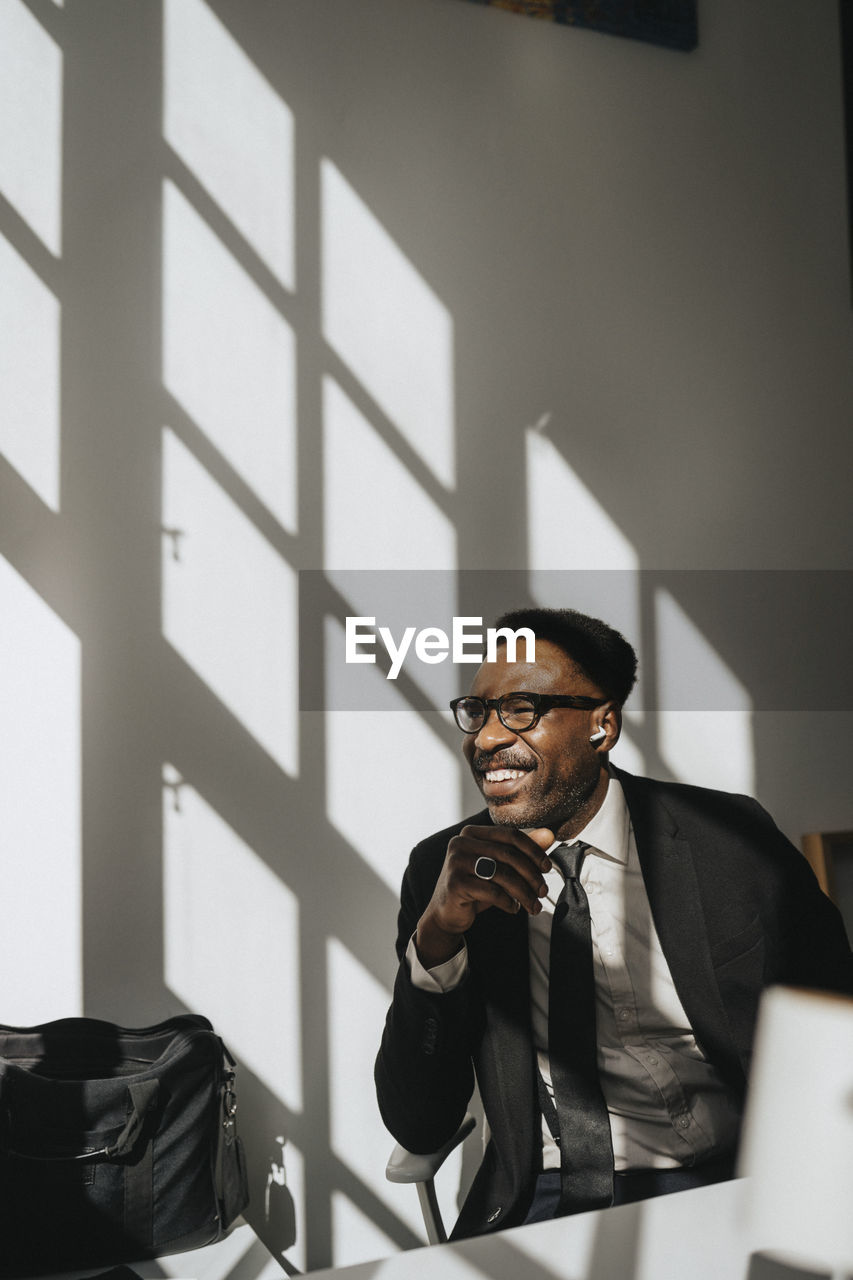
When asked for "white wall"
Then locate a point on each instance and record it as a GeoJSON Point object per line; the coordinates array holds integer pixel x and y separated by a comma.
{"type": "Point", "coordinates": [400, 285]}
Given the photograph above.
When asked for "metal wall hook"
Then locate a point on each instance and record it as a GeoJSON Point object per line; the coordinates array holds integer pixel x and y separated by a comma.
{"type": "Point", "coordinates": [175, 535]}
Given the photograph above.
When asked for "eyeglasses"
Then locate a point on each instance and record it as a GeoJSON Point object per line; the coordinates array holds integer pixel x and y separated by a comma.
{"type": "Point", "coordinates": [517, 712]}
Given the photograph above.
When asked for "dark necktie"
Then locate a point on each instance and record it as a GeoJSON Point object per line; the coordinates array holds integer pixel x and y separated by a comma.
{"type": "Point", "coordinates": [586, 1150]}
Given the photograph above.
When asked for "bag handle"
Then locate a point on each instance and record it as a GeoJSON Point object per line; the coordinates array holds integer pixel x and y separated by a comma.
{"type": "Point", "coordinates": [142, 1095]}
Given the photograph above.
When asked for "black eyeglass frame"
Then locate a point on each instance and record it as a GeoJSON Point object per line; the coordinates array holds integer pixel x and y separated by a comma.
{"type": "Point", "coordinates": [542, 702]}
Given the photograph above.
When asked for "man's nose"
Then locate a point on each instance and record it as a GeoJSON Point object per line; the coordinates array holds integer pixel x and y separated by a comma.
{"type": "Point", "coordinates": [493, 733]}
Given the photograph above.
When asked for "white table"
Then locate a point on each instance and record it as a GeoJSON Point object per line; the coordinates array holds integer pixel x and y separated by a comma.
{"type": "Point", "coordinates": [691, 1235]}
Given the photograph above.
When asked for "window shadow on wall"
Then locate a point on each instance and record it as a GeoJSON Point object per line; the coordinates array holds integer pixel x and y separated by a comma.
{"type": "Point", "coordinates": [203, 355]}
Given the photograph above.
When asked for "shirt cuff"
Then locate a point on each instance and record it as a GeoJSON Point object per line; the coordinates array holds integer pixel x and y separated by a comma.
{"type": "Point", "coordinates": [444, 977]}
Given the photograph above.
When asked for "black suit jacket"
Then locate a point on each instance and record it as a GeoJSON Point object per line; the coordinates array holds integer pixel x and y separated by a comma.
{"type": "Point", "coordinates": [736, 908]}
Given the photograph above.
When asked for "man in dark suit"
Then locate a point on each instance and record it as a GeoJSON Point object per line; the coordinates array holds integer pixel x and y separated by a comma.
{"type": "Point", "coordinates": [591, 948]}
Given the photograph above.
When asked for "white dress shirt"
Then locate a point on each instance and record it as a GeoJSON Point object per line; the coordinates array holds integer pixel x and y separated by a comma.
{"type": "Point", "coordinates": [668, 1106]}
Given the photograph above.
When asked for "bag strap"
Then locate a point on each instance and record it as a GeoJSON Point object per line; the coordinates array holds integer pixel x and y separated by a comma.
{"type": "Point", "coordinates": [142, 1096]}
{"type": "Point", "coordinates": [230, 1171]}
{"type": "Point", "coordinates": [139, 1174]}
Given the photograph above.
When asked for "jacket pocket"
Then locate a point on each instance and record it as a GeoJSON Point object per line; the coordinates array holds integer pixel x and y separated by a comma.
{"type": "Point", "coordinates": [738, 944]}
{"type": "Point", "coordinates": [739, 965]}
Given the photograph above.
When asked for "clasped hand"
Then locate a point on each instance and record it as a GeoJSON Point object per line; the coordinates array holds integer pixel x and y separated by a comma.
{"type": "Point", "coordinates": [461, 894]}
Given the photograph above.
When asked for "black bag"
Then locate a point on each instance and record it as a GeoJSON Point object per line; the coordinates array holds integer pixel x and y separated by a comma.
{"type": "Point", "coordinates": [115, 1144]}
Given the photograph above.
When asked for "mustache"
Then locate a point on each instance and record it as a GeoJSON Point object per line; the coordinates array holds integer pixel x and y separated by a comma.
{"type": "Point", "coordinates": [509, 758]}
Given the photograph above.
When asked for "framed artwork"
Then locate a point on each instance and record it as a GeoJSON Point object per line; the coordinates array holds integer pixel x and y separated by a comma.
{"type": "Point", "coordinates": [830, 854]}
{"type": "Point", "coordinates": [667, 22]}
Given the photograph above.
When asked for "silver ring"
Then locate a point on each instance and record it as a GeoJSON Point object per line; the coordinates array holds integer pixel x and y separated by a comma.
{"type": "Point", "coordinates": [485, 868]}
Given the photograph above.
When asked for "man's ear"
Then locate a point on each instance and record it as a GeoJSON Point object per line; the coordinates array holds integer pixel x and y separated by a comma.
{"type": "Point", "coordinates": [607, 726]}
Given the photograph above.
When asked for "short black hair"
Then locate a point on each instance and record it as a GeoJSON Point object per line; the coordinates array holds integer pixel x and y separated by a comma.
{"type": "Point", "coordinates": [603, 655]}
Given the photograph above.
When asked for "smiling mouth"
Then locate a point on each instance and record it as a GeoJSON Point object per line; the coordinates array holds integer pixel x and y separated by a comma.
{"type": "Point", "coordinates": [501, 784]}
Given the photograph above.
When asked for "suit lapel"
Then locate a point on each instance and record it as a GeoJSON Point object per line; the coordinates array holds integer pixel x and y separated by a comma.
{"type": "Point", "coordinates": [669, 873]}
{"type": "Point", "coordinates": [499, 952]}
{"type": "Point", "coordinates": [499, 956]}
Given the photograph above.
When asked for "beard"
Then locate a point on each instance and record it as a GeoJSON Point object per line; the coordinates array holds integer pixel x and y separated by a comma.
{"type": "Point", "coordinates": [545, 804]}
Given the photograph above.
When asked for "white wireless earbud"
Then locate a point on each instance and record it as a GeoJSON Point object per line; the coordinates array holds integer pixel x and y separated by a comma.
{"type": "Point", "coordinates": [599, 735]}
